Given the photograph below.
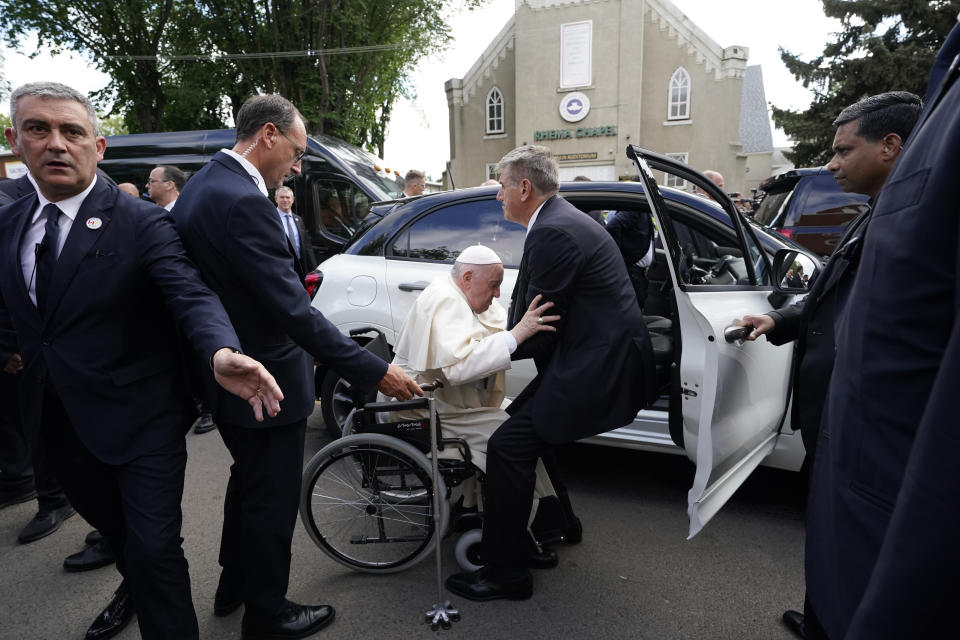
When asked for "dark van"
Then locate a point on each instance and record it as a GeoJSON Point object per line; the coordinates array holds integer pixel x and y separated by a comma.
{"type": "Point", "coordinates": [808, 206]}
{"type": "Point", "coordinates": [333, 192]}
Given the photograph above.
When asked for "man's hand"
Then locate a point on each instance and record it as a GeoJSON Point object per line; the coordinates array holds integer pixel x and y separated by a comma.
{"type": "Point", "coordinates": [761, 324]}
{"type": "Point", "coordinates": [533, 321]}
{"type": "Point", "coordinates": [399, 385]}
{"type": "Point", "coordinates": [13, 365]}
{"type": "Point", "coordinates": [246, 378]}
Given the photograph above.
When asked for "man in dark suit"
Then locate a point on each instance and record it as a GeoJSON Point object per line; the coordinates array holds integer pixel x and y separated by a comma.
{"type": "Point", "coordinates": [93, 285]}
{"type": "Point", "coordinates": [593, 374]}
{"type": "Point", "coordinates": [882, 525]}
{"type": "Point", "coordinates": [868, 141]}
{"type": "Point", "coordinates": [295, 230]}
{"type": "Point", "coordinates": [632, 230]}
{"type": "Point", "coordinates": [232, 230]}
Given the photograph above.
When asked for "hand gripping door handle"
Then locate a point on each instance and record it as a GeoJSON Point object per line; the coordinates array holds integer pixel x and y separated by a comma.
{"type": "Point", "coordinates": [735, 333]}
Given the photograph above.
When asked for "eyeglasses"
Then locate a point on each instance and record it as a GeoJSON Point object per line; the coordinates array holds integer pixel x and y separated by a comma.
{"type": "Point", "coordinates": [300, 152]}
{"type": "Point", "coordinates": [151, 181]}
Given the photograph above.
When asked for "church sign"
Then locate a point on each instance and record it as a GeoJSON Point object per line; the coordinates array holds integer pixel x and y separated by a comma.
{"type": "Point", "coordinates": [579, 132]}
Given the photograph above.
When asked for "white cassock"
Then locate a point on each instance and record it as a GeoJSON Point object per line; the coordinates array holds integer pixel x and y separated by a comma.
{"type": "Point", "coordinates": [443, 339]}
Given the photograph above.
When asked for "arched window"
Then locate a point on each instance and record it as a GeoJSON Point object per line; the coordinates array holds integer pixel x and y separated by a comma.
{"type": "Point", "coordinates": [679, 100]}
{"type": "Point", "coordinates": [494, 111]}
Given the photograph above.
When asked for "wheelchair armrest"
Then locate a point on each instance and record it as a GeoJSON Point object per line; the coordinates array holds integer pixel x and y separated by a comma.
{"type": "Point", "coordinates": [380, 407]}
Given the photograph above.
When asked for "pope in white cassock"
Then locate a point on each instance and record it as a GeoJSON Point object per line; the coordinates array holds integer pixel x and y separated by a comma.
{"type": "Point", "coordinates": [455, 333]}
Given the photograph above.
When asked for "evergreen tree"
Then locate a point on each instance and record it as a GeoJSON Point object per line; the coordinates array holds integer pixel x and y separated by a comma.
{"type": "Point", "coordinates": [884, 45]}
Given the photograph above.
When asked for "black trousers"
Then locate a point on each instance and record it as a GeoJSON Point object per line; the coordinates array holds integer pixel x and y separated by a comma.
{"type": "Point", "coordinates": [512, 454]}
{"type": "Point", "coordinates": [260, 512]}
{"type": "Point", "coordinates": [136, 506]}
{"type": "Point", "coordinates": [24, 464]}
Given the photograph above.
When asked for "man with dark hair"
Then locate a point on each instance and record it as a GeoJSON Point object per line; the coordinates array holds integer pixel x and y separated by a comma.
{"type": "Point", "coordinates": [593, 375]}
{"type": "Point", "coordinates": [94, 287]}
{"type": "Point", "coordinates": [414, 183]}
{"type": "Point", "coordinates": [234, 234]}
{"type": "Point", "coordinates": [869, 138]}
{"type": "Point", "coordinates": [165, 184]}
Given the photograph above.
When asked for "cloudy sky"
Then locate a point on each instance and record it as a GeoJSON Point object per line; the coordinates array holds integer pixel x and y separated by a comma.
{"type": "Point", "coordinates": [418, 135]}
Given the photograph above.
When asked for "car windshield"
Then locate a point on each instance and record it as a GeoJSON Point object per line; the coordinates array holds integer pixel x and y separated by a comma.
{"type": "Point", "coordinates": [364, 165]}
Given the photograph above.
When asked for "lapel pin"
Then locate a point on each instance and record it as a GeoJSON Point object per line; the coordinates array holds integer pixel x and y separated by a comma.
{"type": "Point", "coordinates": [94, 223]}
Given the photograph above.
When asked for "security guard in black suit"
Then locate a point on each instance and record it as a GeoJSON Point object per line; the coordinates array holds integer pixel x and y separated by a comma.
{"type": "Point", "coordinates": [869, 138]}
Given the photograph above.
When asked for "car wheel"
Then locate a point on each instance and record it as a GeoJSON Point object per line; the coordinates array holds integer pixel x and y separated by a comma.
{"type": "Point", "coordinates": [336, 402]}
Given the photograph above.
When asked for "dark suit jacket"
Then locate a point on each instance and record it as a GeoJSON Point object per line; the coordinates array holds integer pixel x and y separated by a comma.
{"type": "Point", "coordinates": [235, 236]}
{"type": "Point", "coordinates": [810, 322]}
{"type": "Point", "coordinates": [308, 261]}
{"type": "Point", "coordinates": [596, 371]}
{"type": "Point", "coordinates": [108, 342]}
{"type": "Point", "coordinates": [11, 190]}
{"type": "Point", "coordinates": [883, 524]}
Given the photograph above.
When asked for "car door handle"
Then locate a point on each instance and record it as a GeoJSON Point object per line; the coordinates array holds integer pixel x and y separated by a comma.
{"type": "Point", "coordinates": [735, 332]}
{"type": "Point", "coordinates": [419, 285]}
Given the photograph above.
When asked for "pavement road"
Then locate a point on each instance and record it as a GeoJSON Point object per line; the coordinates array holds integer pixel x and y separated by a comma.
{"type": "Point", "coordinates": [634, 576]}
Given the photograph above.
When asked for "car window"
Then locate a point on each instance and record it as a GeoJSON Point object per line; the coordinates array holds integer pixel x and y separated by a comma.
{"type": "Point", "coordinates": [821, 193]}
{"type": "Point", "coordinates": [442, 234]}
{"type": "Point", "coordinates": [341, 206]}
{"type": "Point", "coordinates": [770, 206]}
{"type": "Point", "coordinates": [708, 255]}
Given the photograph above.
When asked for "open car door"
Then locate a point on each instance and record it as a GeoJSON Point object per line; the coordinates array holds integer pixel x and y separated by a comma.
{"type": "Point", "coordinates": [733, 394]}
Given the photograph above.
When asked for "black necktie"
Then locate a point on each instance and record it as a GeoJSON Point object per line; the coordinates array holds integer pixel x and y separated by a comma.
{"type": "Point", "coordinates": [47, 253]}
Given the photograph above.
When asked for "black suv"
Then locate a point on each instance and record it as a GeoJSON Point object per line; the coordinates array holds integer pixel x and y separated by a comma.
{"type": "Point", "coordinates": [808, 206]}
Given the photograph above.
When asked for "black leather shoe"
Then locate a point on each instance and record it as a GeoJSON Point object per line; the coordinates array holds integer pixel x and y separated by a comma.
{"type": "Point", "coordinates": [544, 559]}
{"type": "Point", "coordinates": [93, 538]}
{"type": "Point", "coordinates": [486, 584]}
{"type": "Point", "coordinates": [295, 621]}
{"type": "Point", "coordinates": [9, 497]}
{"type": "Point", "coordinates": [227, 600]}
{"type": "Point", "coordinates": [204, 423]}
{"type": "Point", "coordinates": [573, 533]}
{"type": "Point", "coordinates": [793, 620]}
{"type": "Point", "coordinates": [92, 556]}
{"type": "Point", "coordinates": [44, 523]}
{"type": "Point", "coordinates": [114, 618]}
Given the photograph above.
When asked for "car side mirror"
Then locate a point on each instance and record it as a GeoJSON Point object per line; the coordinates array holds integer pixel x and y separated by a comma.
{"type": "Point", "coordinates": [793, 271]}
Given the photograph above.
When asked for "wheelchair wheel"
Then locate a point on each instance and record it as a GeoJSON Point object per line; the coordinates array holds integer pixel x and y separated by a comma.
{"type": "Point", "coordinates": [468, 550]}
{"type": "Point", "coordinates": [367, 502]}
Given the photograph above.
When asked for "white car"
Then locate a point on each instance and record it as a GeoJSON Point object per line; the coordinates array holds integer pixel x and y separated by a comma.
{"type": "Point", "coordinates": [724, 403]}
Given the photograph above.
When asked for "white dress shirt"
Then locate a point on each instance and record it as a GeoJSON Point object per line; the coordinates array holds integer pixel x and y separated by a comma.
{"type": "Point", "coordinates": [35, 232]}
{"type": "Point", "coordinates": [533, 218]}
{"type": "Point", "coordinates": [252, 170]}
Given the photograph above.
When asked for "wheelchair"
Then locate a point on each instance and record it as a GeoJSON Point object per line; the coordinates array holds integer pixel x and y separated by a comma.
{"type": "Point", "coordinates": [367, 497]}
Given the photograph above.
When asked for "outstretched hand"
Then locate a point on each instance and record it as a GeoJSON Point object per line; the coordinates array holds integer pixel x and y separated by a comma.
{"type": "Point", "coordinates": [533, 321]}
{"type": "Point", "coordinates": [399, 385]}
{"type": "Point", "coordinates": [761, 324]}
{"type": "Point", "coordinates": [246, 378]}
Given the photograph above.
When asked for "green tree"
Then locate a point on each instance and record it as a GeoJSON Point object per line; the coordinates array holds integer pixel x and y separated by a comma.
{"type": "Point", "coordinates": [357, 55]}
{"type": "Point", "coordinates": [120, 36]}
{"type": "Point", "coordinates": [190, 65]}
{"type": "Point", "coordinates": [884, 45]}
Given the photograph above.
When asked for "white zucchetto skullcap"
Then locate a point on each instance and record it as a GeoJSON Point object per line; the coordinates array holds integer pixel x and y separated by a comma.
{"type": "Point", "coordinates": [479, 254]}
